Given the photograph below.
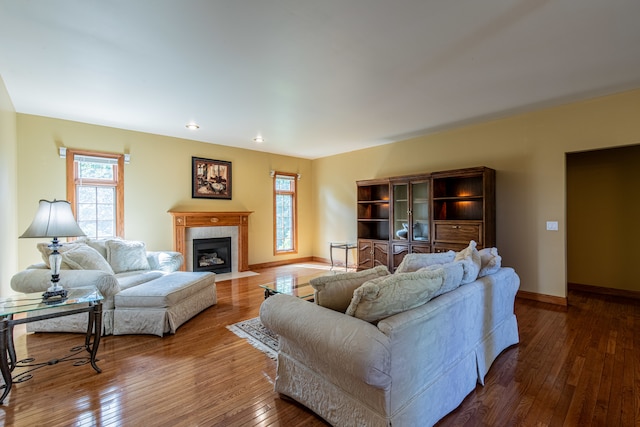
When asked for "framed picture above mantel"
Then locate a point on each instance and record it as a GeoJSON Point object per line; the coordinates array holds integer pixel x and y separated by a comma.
{"type": "Point", "coordinates": [211, 179]}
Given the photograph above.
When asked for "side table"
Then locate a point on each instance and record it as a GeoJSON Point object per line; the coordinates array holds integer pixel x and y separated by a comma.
{"type": "Point", "coordinates": [341, 245]}
{"type": "Point", "coordinates": [79, 300]}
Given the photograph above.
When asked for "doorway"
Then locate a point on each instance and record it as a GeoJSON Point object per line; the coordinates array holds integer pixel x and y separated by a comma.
{"type": "Point", "coordinates": [603, 209]}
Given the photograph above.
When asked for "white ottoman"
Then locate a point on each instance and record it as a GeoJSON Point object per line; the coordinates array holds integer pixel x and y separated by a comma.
{"type": "Point", "coordinates": [161, 305]}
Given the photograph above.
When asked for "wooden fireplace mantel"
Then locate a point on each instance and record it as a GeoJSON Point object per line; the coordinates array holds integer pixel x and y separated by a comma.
{"type": "Point", "coordinates": [184, 220]}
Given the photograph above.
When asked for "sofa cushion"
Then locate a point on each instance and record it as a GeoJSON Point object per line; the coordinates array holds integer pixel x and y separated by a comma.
{"type": "Point", "coordinates": [165, 291]}
{"type": "Point", "coordinates": [335, 291]}
{"type": "Point", "coordinates": [470, 259]}
{"type": "Point", "coordinates": [453, 273]}
{"type": "Point", "coordinates": [490, 261]}
{"type": "Point", "coordinates": [127, 255]}
{"type": "Point", "coordinates": [99, 245]}
{"type": "Point", "coordinates": [134, 278]}
{"type": "Point", "coordinates": [382, 297]}
{"type": "Point", "coordinates": [414, 262]}
{"type": "Point", "coordinates": [83, 257]}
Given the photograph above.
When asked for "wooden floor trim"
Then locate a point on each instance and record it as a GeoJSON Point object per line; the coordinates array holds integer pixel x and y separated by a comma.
{"type": "Point", "coordinates": [549, 299]}
{"type": "Point", "coordinates": [604, 291]}
{"type": "Point", "coordinates": [284, 262]}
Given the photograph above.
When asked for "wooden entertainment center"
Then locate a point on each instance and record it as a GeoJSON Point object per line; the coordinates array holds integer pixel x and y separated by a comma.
{"type": "Point", "coordinates": [430, 212]}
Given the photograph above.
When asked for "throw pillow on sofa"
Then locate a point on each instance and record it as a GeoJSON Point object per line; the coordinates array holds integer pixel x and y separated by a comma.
{"type": "Point", "coordinates": [99, 245]}
{"type": "Point", "coordinates": [127, 255]}
{"type": "Point", "coordinates": [167, 261]}
{"type": "Point", "coordinates": [385, 296]}
{"type": "Point", "coordinates": [414, 262]}
{"type": "Point", "coordinates": [471, 262]}
{"type": "Point", "coordinates": [453, 273]}
{"type": "Point", "coordinates": [83, 257]}
{"type": "Point", "coordinates": [45, 251]}
{"type": "Point", "coordinates": [336, 291]}
{"type": "Point", "coordinates": [490, 261]}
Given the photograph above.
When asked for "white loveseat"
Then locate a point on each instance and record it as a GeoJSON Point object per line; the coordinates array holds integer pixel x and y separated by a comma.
{"type": "Point", "coordinates": [406, 369]}
{"type": "Point", "coordinates": [143, 291]}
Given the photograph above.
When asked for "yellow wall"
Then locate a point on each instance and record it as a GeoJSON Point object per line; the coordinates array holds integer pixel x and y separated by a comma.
{"type": "Point", "coordinates": [528, 152]}
{"type": "Point", "coordinates": [157, 180]}
{"type": "Point", "coordinates": [8, 191]}
{"type": "Point", "coordinates": [603, 208]}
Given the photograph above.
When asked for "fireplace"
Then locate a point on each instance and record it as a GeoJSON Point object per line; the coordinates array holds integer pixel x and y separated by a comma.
{"type": "Point", "coordinates": [212, 255]}
{"type": "Point", "coordinates": [185, 222]}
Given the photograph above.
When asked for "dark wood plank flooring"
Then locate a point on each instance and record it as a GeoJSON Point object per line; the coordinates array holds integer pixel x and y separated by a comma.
{"type": "Point", "coordinates": [574, 367]}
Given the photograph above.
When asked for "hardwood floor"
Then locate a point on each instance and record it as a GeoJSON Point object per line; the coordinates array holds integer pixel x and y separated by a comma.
{"type": "Point", "coordinates": [577, 367]}
{"type": "Point", "coordinates": [573, 367]}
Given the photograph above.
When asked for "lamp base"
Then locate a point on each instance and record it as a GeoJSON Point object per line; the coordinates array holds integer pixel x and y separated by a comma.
{"type": "Point", "coordinates": [62, 293]}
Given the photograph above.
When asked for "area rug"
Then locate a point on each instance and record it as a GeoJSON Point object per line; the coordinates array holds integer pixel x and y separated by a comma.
{"type": "Point", "coordinates": [257, 335]}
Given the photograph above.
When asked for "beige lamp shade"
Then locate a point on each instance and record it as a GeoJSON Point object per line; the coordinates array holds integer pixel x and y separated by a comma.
{"type": "Point", "coordinates": [53, 219]}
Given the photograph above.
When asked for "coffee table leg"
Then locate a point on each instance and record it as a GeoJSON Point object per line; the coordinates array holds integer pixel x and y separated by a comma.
{"type": "Point", "coordinates": [88, 335]}
{"type": "Point", "coordinates": [346, 258]}
{"type": "Point", "coordinates": [96, 326]}
{"type": "Point", "coordinates": [331, 254]}
{"type": "Point", "coordinates": [11, 348]}
{"type": "Point", "coordinates": [5, 340]}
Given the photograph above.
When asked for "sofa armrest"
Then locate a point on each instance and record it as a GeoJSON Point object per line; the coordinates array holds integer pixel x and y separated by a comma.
{"type": "Point", "coordinates": [40, 266]}
{"type": "Point", "coordinates": [167, 261]}
{"type": "Point", "coordinates": [327, 341]}
{"type": "Point", "coordinates": [39, 280]}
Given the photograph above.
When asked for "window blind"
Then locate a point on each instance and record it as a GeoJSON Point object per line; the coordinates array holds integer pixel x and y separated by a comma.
{"type": "Point", "coordinates": [91, 159]}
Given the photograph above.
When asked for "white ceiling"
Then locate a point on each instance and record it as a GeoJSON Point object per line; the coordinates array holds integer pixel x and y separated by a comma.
{"type": "Point", "coordinates": [313, 77]}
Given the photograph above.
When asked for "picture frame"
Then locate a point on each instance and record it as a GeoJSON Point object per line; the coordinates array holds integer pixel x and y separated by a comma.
{"type": "Point", "coordinates": [211, 179]}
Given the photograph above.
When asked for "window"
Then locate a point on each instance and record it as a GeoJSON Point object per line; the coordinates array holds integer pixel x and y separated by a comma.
{"type": "Point", "coordinates": [285, 212]}
{"type": "Point", "coordinates": [95, 189]}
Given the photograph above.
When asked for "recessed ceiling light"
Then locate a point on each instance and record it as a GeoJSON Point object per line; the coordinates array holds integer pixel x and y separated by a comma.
{"type": "Point", "coordinates": [258, 139]}
{"type": "Point", "coordinates": [192, 126]}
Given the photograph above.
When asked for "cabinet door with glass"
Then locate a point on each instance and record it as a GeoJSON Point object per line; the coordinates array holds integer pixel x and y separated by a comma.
{"type": "Point", "coordinates": [411, 210]}
{"type": "Point", "coordinates": [419, 212]}
{"type": "Point", "coordinates": [400, 211]}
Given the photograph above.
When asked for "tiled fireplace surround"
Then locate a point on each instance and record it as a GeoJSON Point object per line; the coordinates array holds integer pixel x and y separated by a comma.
{"type": "Point", "coordinates": [202, 225]}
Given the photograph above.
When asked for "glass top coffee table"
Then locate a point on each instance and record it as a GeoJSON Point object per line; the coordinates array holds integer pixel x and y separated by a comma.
{"type": "Point", "coordinates": [297, 286]}
{"type": "Point", "coordinates": [79, 300]}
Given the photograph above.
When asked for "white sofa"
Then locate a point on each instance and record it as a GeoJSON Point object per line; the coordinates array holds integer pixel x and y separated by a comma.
{"type": "Point", "coordinates": [408, 369]}
{"type": "Point", "coordinates": [143, 291]}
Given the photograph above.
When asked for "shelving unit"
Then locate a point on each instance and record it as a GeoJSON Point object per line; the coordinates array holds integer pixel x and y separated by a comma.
{"type": "Point", "coordinates": [463, 208]}
{"type": "Point", "coordinates": [373, 223]}
{"type": "Point", "coordinates": [431, 212]}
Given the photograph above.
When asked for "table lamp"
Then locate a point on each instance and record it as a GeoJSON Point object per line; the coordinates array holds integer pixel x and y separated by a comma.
{"type": "Point", "coordinates": [54, 219]}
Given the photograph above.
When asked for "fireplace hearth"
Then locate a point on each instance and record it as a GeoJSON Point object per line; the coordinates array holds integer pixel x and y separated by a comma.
{"type": "Point", "coordinates": [212, 254]}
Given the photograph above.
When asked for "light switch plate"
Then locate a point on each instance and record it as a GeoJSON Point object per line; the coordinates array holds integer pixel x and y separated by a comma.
{"type": "Point", "coordinates": [552, 225]}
